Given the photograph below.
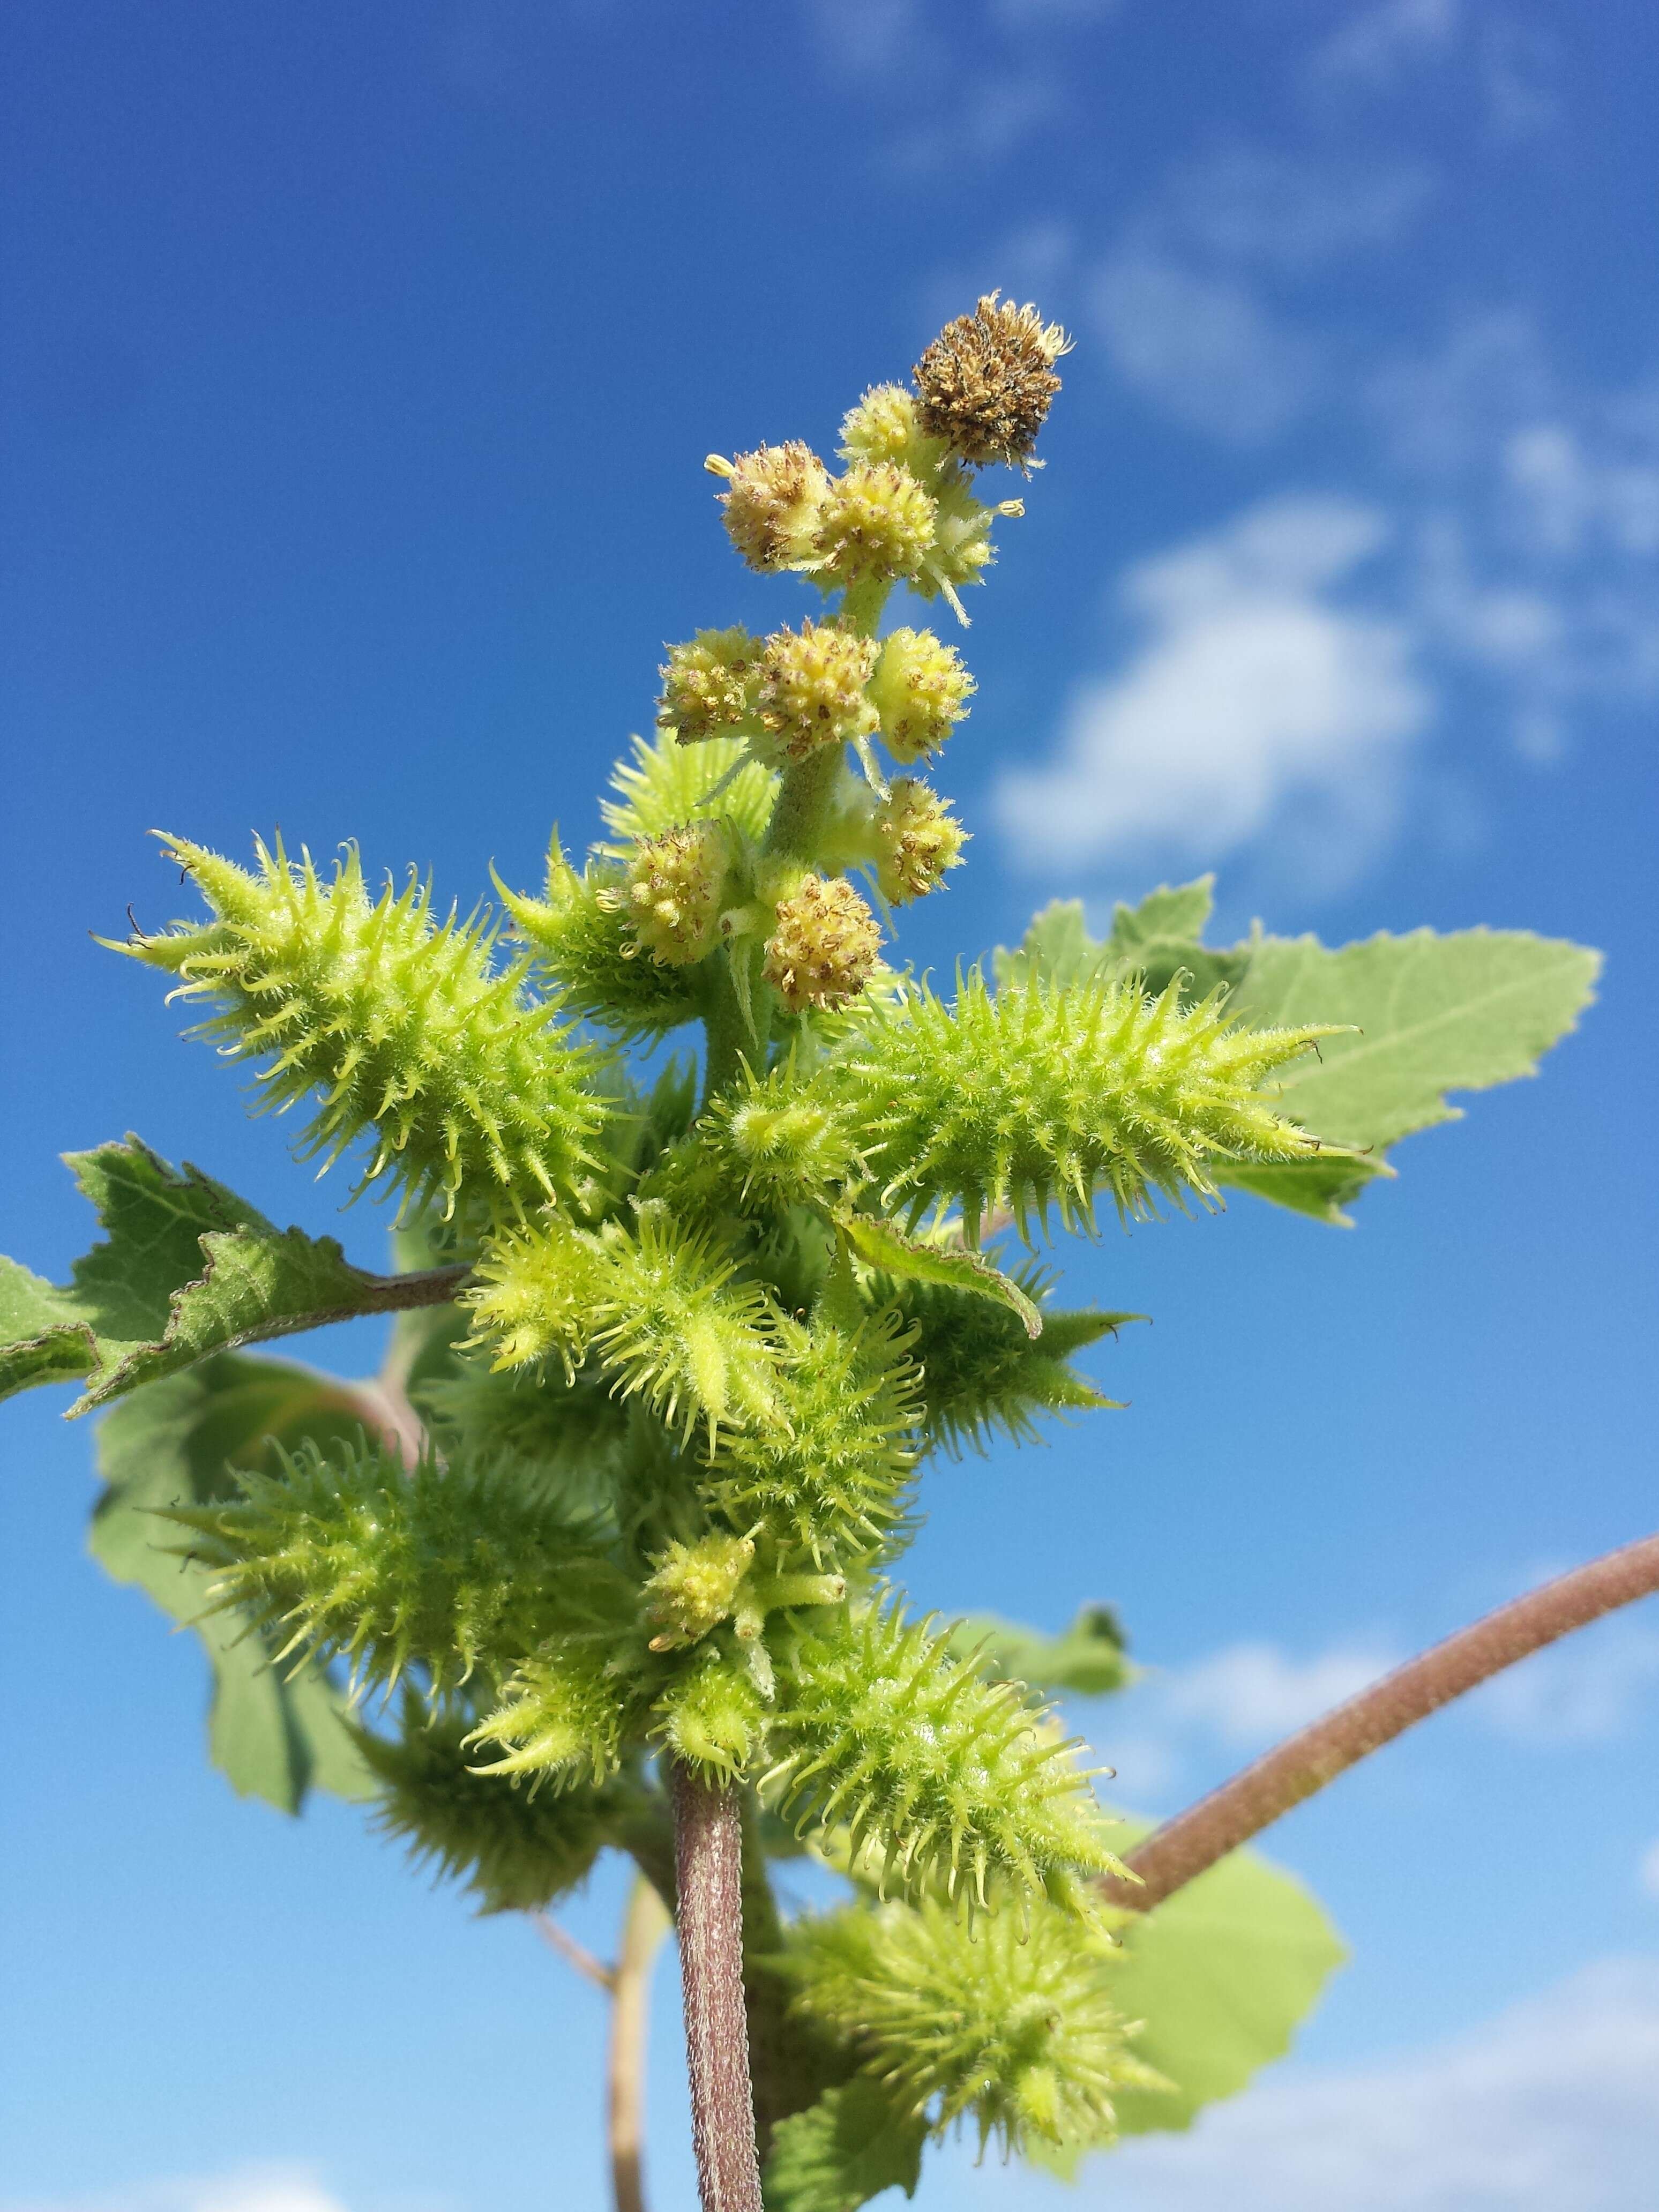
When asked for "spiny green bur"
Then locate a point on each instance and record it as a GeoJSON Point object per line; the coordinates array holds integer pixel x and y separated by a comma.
{"type": "Point", "coordinates": [713, 1325]}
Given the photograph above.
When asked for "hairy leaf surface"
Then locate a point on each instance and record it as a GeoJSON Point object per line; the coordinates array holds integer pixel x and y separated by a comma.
{"type": "Point", "coordinates": [1222, 1973]}
{"type": "Point", "coordinates": [1433, 1014]}
{"type": "Point", "coordinates": [187, 1269]}
{"type": "Point", "coordinates": [1087, 1659]}
{"type": "Point", "coordinates": [855, 2142]}
{"type": "Point", "coordinates": [272, 1734]}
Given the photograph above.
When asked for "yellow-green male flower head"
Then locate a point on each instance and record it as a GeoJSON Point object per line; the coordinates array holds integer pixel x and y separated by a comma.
{"type": "Point", "coordinates": [772, 502]}
{"type": "Point", "coordinates": [672, 893]}
{"type": "Point", "coordinates": [920, 690]}
{"type": "Point", "coordinates": [987, 380]}
{"type": "Point", "coordinates": [812, 691]}
{"type": "Point", "coordinates": [824, 948]}
{"type": "Point", "coordinates": [695, 1587]}
{"type": "Point", "coordinates": [708, 684]}
{"type": "Point", "coordinates": [876, 525]}
{"type": "Point", "coordinates": [883, 427]}
{"type": "Point", "coordinates": [917, 840]}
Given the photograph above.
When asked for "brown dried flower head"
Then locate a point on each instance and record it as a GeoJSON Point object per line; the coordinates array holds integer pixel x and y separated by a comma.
{"type": "Point", "coordinates": [772, 502]}
{"type": "Point", "coordinates": [986, 381]}
{"type": "Point", "coordinates": [824, 947]}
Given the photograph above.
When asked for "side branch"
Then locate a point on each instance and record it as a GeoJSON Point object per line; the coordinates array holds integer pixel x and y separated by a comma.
{"type": "Point", "coordinates": [708, 1866]}
{"type": "Point", "coordinates": [1316, 1754]}
{"type": "Point", "coordinates": [371, 1294]}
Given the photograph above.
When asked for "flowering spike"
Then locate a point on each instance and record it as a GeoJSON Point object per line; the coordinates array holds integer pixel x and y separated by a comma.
{"type": "Point", "coordinates": [812, 691]}
{"type": "Point", "coordinates": [918, 838]}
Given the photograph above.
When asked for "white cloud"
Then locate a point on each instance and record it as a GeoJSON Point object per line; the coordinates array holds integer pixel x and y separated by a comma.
{"type": "Point", "coordinates": [1550, 2107]}
{"type": "Point", "coordinates": [1203, 349]}
{"type": "Point", "coordinates": [1572, 500]}
{"type": "Point", "coordinates": [1586, 1689]}
{"type": "Point", "coordinates": [249, 2188]}
{"type": "Point", "coordinates": [1282, 212]}
{"type": "Point", "coordinates": [1254, 703]}
{"type": "Point", "coordinates": [1251, 1694]}
{"type": "Point", "coordinates": [1648, 1873]}
{"type": "Point", "coordinates": [1380, 45]}
{"type": "Point", "coordinates": [871, 37]}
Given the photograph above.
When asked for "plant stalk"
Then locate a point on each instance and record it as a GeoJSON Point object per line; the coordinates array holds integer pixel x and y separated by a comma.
{"type": "Point", "coordinates": [1294, 1770]}
{"type": "Point", "coordinates": [708, 1877]}
{"type": "Point", "coordinates": [646, 1924]}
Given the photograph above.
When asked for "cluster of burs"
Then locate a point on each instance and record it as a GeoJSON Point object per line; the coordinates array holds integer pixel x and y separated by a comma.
{"type": "Point", "coordinates": [713, 1336]}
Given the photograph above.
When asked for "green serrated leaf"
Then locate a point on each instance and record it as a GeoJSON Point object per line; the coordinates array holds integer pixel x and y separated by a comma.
{"type": "Point", "coordinates": [1320, 1188]}
{"type": "Point", "coordinates": [1158, 940]}
{"type": "Point", "coordinates": [1435, 1014]}
{"type": "Point", "coordinates": [1165, 914]}
{"type": "Point", "coordinates": [1056, 948]}
{"type": "Point", "coordinates": [172, 1444]}
{"type": "Point", "coordinates": [187, 1269]}
{"type": "Point", "coordinates": [1087, 1659]}
{"type": "Point", "coordinates": [41, 1338]}
{"type": "Point", "coordinates": [838, 2153]}
{"type": "Point", "coordinates": [1222, 1973]}
{"type": "Point", "coordinates": [912, 1259]}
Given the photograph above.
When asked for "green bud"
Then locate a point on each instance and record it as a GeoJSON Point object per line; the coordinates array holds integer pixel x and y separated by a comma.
{"type": "Point", "coordinates": [695, 1587]}
{"type": "Point", "coordinates": [883, 427]}
{"type": "Point", "coordinates": [876, 525]}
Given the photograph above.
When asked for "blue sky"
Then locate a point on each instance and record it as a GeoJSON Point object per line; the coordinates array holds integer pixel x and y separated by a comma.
{"type": "Point", "coordinates": [356, 370]}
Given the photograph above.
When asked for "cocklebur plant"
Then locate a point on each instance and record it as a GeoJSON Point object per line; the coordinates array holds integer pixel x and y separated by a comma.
{"type": "Point", "coordinates": [603, 1558]}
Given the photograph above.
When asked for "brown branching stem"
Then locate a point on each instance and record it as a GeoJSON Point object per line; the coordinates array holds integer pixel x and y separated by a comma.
{"type": "Point", "coordinates": [643, 1929]}
{"type": "Point", "coordinates": [708, 1882]}
{"type": "Point", "coordinates": [1294, 1770]}
{"type": "Point", "coordinates": [574, 1953]}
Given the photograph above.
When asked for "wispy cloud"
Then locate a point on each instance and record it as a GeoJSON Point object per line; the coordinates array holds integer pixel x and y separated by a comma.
{"type": "Point", "coordinates": [968, 85]}
{"type": "Point", "coordinates": [1506, 57]}
{"type": "Point", "coordinates": [1379, 46]}
{"type": "Point", "coordinates": [1648, 1872]}
{"type": "Point", "coordinates": [1271, 209]}
{"type": "Point", "coordinates": [1197, 301]}
{"type": "Point", "coordinates": [1249, 1694]}
{"type": "Point", "coordinates": [1201, 347]}
{"type": "Point", "coordinates": [1588, 1689]}
{"type": "Point", "coordinates": [248, 2189]}
{"type": "Point", "coordinates": [1548, 2106]}
{"type": "Point", "coordinates": [1255, 701]}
